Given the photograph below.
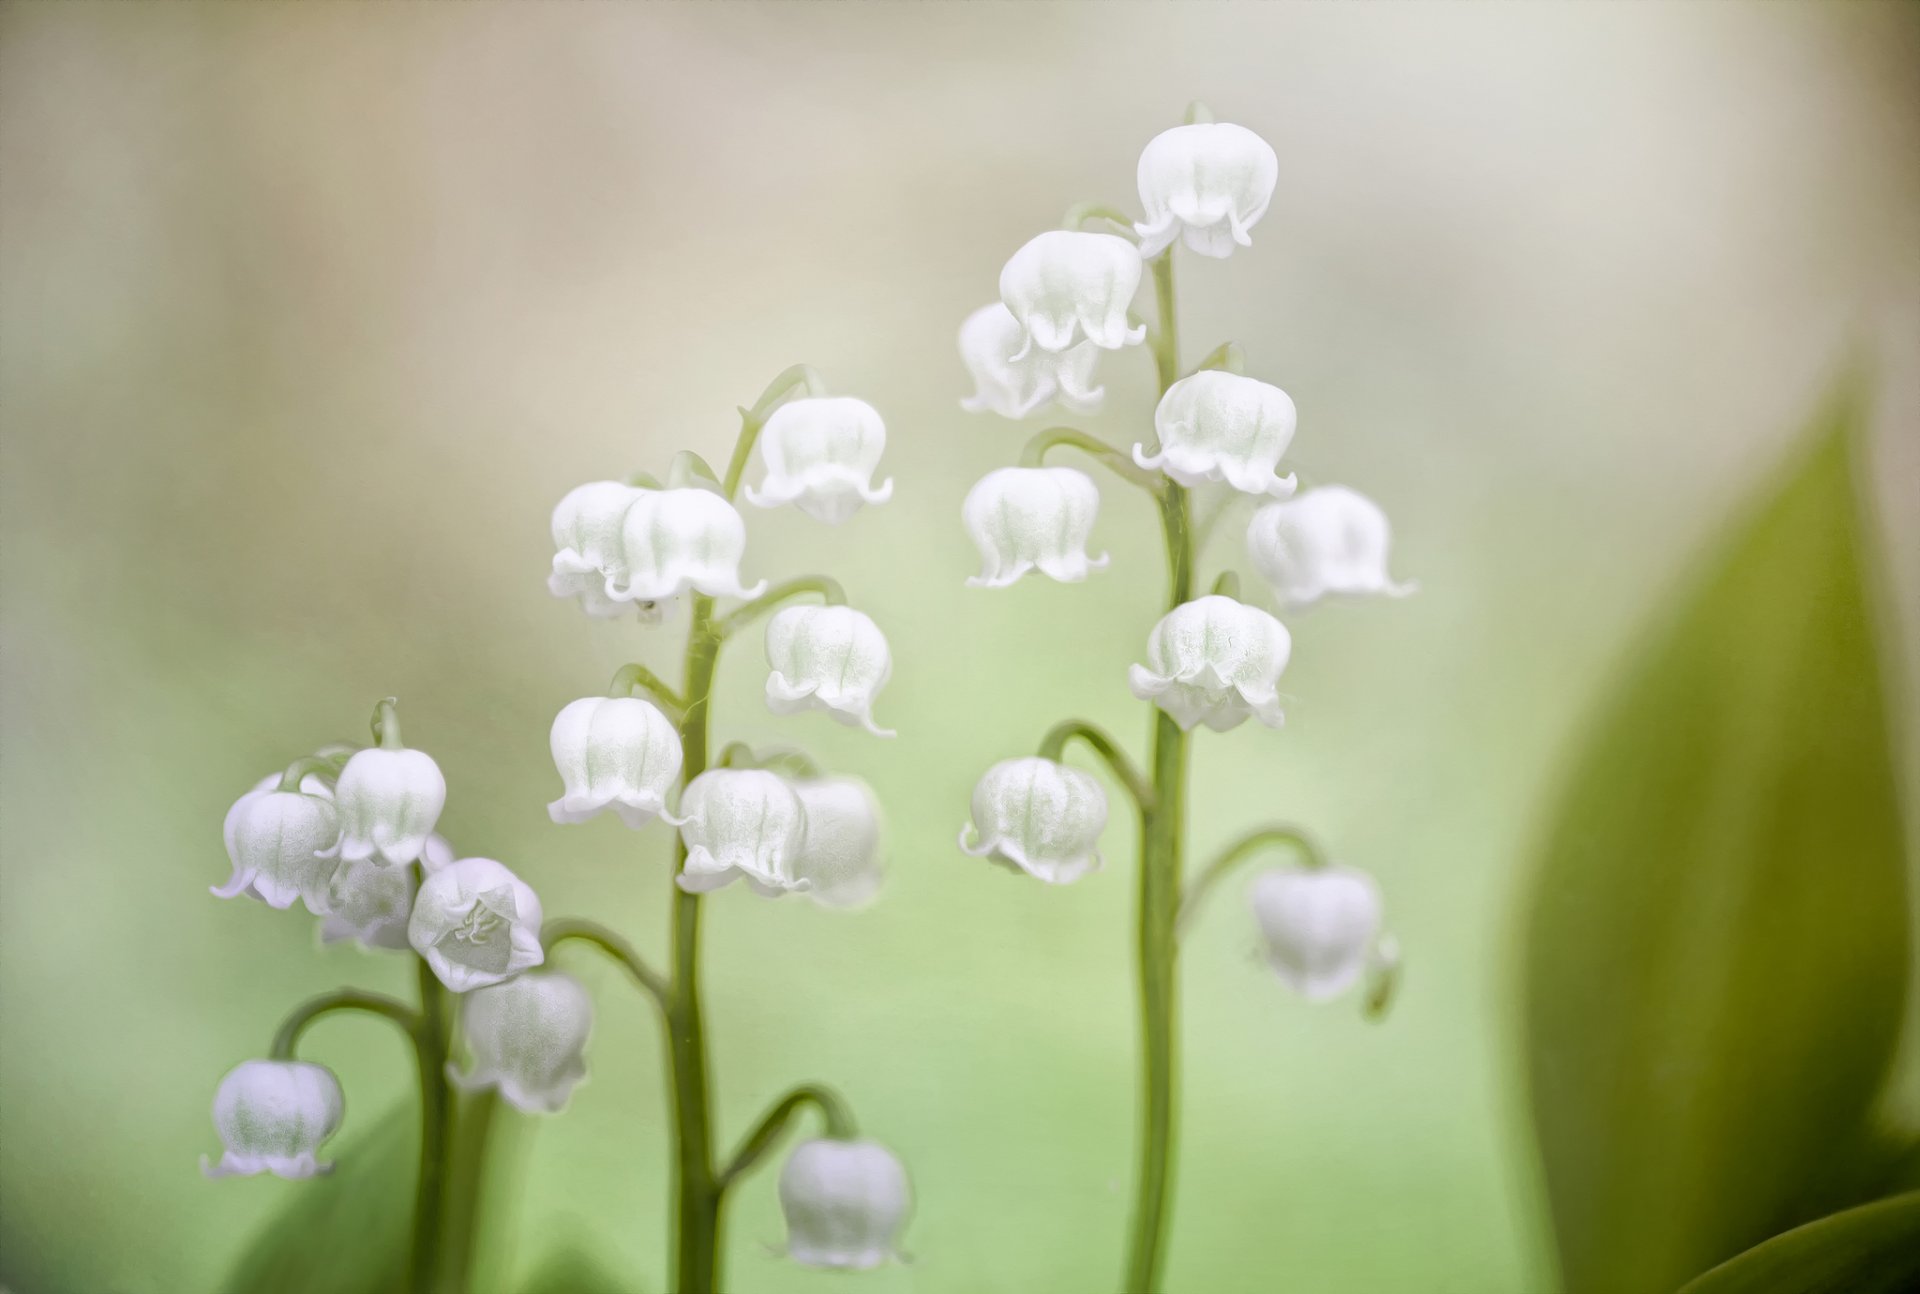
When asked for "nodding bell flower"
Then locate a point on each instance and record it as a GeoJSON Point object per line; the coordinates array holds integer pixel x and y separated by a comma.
{"type": "Point", "coordinates": [1329, 540]}
{"type": "Point", "coordinates": [821, 452]}
{"type": "Point", "coordinates": [1013, 379]}
{"type": "Point", "coordinates": [845, 1203]}
{"type": "Point", "coordinates": [527, 1037]}
{"type": "Point", "coordinates": [476, 923]}
{"type": "Point", "coordinates": [1220, 426]}
{"type": "Point", "coordinates": [272, 1116]}
{"type": "Point", "coordinates": [1032, 519]}
{"type": "Point", "coordinates": [389, 801]}
{"type": "Point", "coordinates": [740, 823]}
{"type": "Point", "coordinates": [613, 752]}
{"type": "Point", "coordinates": [1214, 661]}
{"type": "Point", "coordinates": [280, 844]}
{"type": "Point", "coordinates": [827, 658]}
{"type": "Point", "coordinates": [676, 541]}
{"type": "Point", "coordinates": [589, 554]}
{"type": "Point", "coordinates": [369, 904]}
{"type": "Point", "coordinates": [839, 841]}
{"type": "Point", "coordinates": [1065, 286]}
{"type": "Point", "coordinates": [1318, 926]}
{"type": "Point", "coordinates": [1038, 816]}
{"type": "Point", "coordinates": [1205, 184]}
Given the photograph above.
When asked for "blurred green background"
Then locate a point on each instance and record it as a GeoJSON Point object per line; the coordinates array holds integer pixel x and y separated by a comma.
{"type": "Point", "coordinates": [312, 312]}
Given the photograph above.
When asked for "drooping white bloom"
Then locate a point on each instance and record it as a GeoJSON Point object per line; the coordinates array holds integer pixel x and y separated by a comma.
{"type": "Point", "coordinates": [740, 823]}
{"type": "Point", "coordinates": [272, 1116]}
{"type": "Point", "coordinates": [1317, 925]}
{"type": "Point", "coordinates": [476, 923]}
{"type": "Point", "coordinates": [676, 541]}
{"type": "Point", "coordinates": [280, 844]}
{"type": "Point", "coordinates": [1220, 426]}
{"type": "Point", "coordinates": [1206, 184]}
{"type": "Point", "coordinates": [528, 1038]}
{"type": "Point", "coordinates": [613, 752]}
{"type": "Point", "coordinates": [370, 904]}
{"type": "Point", "coordinates": [839, 841]}
{"type": "Point", "coordinates": [1039, 816]}
{"type": "Point", "coordinates": [589, 552]}
{"type": "Point", "coordinates": [389, 801]}
{"type": "Point", "coordinates": [1013, 379]}
{"type": "Point", "coordinates": [1032, 518]}
{"type": "Point", "coordinates": [1214, 661]}
{"type": "Point", "coordinates": [1329, 540]}
{"type": "Point", "coordinates": [1066, 285]}
{"type": "Point", "coordinates": [845, 1203]}
{"type": "Point", "coordinates": [821, 453]}
{"type": "Point", "coordinates": [827, 658]}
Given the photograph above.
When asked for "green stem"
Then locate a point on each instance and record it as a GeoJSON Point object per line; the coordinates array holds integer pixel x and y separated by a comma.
{"type": "Point", "coordinates": [747, 612]}
{"type": "Point", "coordinates": [1111, 457]}
{"type": "Point", "coordinates": [473, 1123]}
{"type": "Point", "coordinates": [1227, 356]}
{"type": "Point", "coordinates": [432, 1040]}
{"type": "Point", "coordinates": [636, 675]}
{"type": "Point", "coordinates": [564, 929]}
{"type": "Point", "coordinates": [798, 379]}
{"type": "Point", "coordinates": [755, 1145]}
{"type": "Point", "coordinates": [1081, 212]}
{"type": "Point", "coordinates": [299, 769]}
{"type": "Point", "coordinates": [386, 724]}
{"type": "Point", "coordinates": [1248, 846]}
{"type": "Point", "coordinates": [287, 1040]}
{"type": "Point", "coordinates": [1054, 745]}
{"type": "Point", "coordinates": [1165, 339]}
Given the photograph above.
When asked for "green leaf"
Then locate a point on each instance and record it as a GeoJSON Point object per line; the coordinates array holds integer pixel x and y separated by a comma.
{"type": "Point", "coordinates": [1716, 946]}
{"type": "Point", "coordinates": [1874, 1249]}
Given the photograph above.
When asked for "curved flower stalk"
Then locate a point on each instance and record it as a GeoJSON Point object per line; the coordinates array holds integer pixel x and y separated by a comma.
{"type": "Point", "coordinates": [680, 541]}
{"type": "Point", "coordinates": [845, 1203]}
{"type": "Point", "coordinates": [476, 924]}
{"type": "Point", "coordinates": [1014, 379]}
{"type": "Point", "coordinates": [1215, 661]}
{"type": "Point", "coordinates": [1037, 816]}
{"type": "Point", "coordinates": [273, 1116]}
{"type": "Point", "coordinates": [839, 856]}
{"type": "Point", "coordinates": [1318, 926]}
{"type": "Point", "coordinates": [1220, 426]}
{"type": "Point", "coordinates": [1206, 184]}
{"type": "Point", "coordinates": [1032, 519]}
{"type": "Point", "coordinates": [740, 824]}
{"type": "Point", "coordinates": [617, 753]}
{"type": "Point", "coordinates": [829, 658]}
{"type": "Point", "coordinates": [821, 453]}
{"type": "Point", "coordinates": [528, 1037]}
{"type": "Point", "coordinates": [1330, 540]}
{"type": "Point", "coordinates": [1066, 286]}
{"type": "Point", "coordinates": [280, 844]}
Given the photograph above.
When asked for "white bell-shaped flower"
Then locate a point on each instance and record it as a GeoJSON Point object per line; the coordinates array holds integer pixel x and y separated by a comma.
{"type": "Point", "coordinates": [1330, 540]}
{"type": "Point", "coordinates": [370, 904]}
{"type": "Point", "coordinates": [676, 541]}
{"type": "Point", "coordinates": [280, 844]}
{"type": "Point", "coordinates": [839, 841]}
{"type": "Point", "coordinates": [827, 658]}
{"type": "Point", "coordinates": [476, 923]}
{"type": "Point", "coordinates": [845, 1203]}
{"type": "Point", "coordinates": [528, 1037]}
{"type": "Point", "coordinates": [821, 453]}
{"type": "Point", "coordinates": [1219, 426]}
{"type": "Point", "coordinates": [613, 752]}
{"type": "Point", "coordinates": [1038, 816]}
{"type": "Point", "coordinates": [1206, 184]}
{"type": "Point", "coordinates": [1215, 661]}
{"type": "Point", "coordinates": [589, 551]}
{"type": "Point", "coordinates": [1066, 286]}
{"type": "Point", "coordinates": [1013, 379]}
{"type": "Point", "coordinates": [272, 1116]}
{"type": "Point", "coordinates": [740, 824]}
{"type": "Point", "coordinates": [389, 802]}
{"type": "Point", "coordinates": [1317, 926]}
{"type": "Point", "coordinates": [1032, 519]}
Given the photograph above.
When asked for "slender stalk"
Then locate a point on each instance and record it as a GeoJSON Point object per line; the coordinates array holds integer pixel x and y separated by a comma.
{"type": "Point", "coordinates": [825, 585]}
{"type": "Point", "coordinates": [636, 675]}
{"type": "Point", "coordinates": [755, 1145]}
{"type": "Point", "coordinates": [432, 1039]}
{"type": "Point", "coordinates": [473, 1123]}
{"type": "Point", "coordinates": [1248, 846]}
{"type": "Point", "coordinates": [302, 1017]}
{"type": "Point", "coordinates": [564, 929]}
{"type": "Point", "coordinates": [1111, 457]}
{"type": "Point", "coordinates": [1054, 745]}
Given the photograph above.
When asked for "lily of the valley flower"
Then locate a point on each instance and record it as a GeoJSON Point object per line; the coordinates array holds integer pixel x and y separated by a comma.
{"type": "Point", "coordinates": [280, 844]}
{"type": "Point", "coordinates": [389, 801]}
{"type": "Point", "coordinates": [1214, 661]}
{"type": "Point", "coordinates": [676, 541]}
{"type": "Point", "coordinates": [613, 752]}
{"type": "Point", "coordinates": [1206, 184]}
{"type": "Point", "coordinates": [1330, 540]}
{"type": "Point", "coordinates": [1013, 379]}
{"type": "Point", "coordinates": [590, 553]}
{"type": "Point", "coordinates": [821, 453]}
{"type": "Point", "coordinates": [827, 658]}
{"type": "Point", "coordinates": [272, 1116]}
{"type": "Point", "coordinates": [839, 841]}
{"type": "Point", "coordinates": [1032, 518]}
{"type": "Point", "coordinates": [527, 1037]}
{"type": "Point", "coordinates": [845, 1203]}
{"type": "Point", "coordinates": [1065, 286]}
{"type": "Point", "coordinates": [476, 923]}
{"type": "Point", "coordinates": [1039, 816]}
{"type": "Point", "coordinates": [370, 904]}
{"type": "Point", "coordinates": [1219, 426]}
{"type": "Point", "coordinates": [1318, 926]}
{"type": "Point", "coordinates": [740, 824]}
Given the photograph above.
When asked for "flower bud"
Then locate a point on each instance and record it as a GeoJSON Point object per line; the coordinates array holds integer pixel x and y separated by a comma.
{"type": "Point", "coordinates": [1013, 379]}
{"type": "Point", "coordinates": [369, 903]}
{"type": "Point", "coordinates": [1329, 540]}
{"type": "Point", "coordinates": [1220, 426]}
{"type": "Point", "coordinates": [527, 1037]}
{"type": "Point", "coordinates": [1042, 817]}
{"type": "Point", "coordinates": [617, 752]}
{"type": "Point", "coordinates": [1065, 285]}
{"type": "Point", "coordinates": [1317, 926]}
{"type": "Point", "coordinates": [389, 801]}
{"type": "Point", "coordinates": [1214, 661]}
{"type": "Point", "coordinates": [1206, 184]}
{"type": "Point", "coordinates": [280, 844]}
{"type": "Point", "coordinates": [827, 658]}
{"type": "Point", "coordinates": [845, 1203]}
{"type": "Point", "coordinates": [1032, 518]}
{"type": "Point", "coordinates": [676, 541]}
{"type": "Point", "coordinates": [821, 452]}
{"type": "Point", "coordinates": [839, 841]}
{"type": "Point", "coordinates": [476, 923]}
{"type": "Point", "coordinates": [589, 554]}
{"type": "Point", "coordinates": [272, 1116]}
{"type": "Point", "coordinates": [740, 823]}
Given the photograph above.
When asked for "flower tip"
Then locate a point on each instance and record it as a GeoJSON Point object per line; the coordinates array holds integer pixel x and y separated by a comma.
{"type": "Point", "coordinates": [1284, 486]}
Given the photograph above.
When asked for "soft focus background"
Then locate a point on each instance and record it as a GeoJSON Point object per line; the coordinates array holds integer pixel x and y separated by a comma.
{"type": "Point", "coordinates": [311, 313]}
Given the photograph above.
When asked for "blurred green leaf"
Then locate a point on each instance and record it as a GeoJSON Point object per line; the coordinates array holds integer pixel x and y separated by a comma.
{"type": "Point", "coordinates": [1716, 945]}
{"type": "Point", "coordinates": [1873, 1249]}
{"type": "Point", "coordinates": [574, 1271]}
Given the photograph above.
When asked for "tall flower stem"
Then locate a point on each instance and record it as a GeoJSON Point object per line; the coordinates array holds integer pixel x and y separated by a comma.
{"type": "Point", "coordinates": [432, 1040]}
